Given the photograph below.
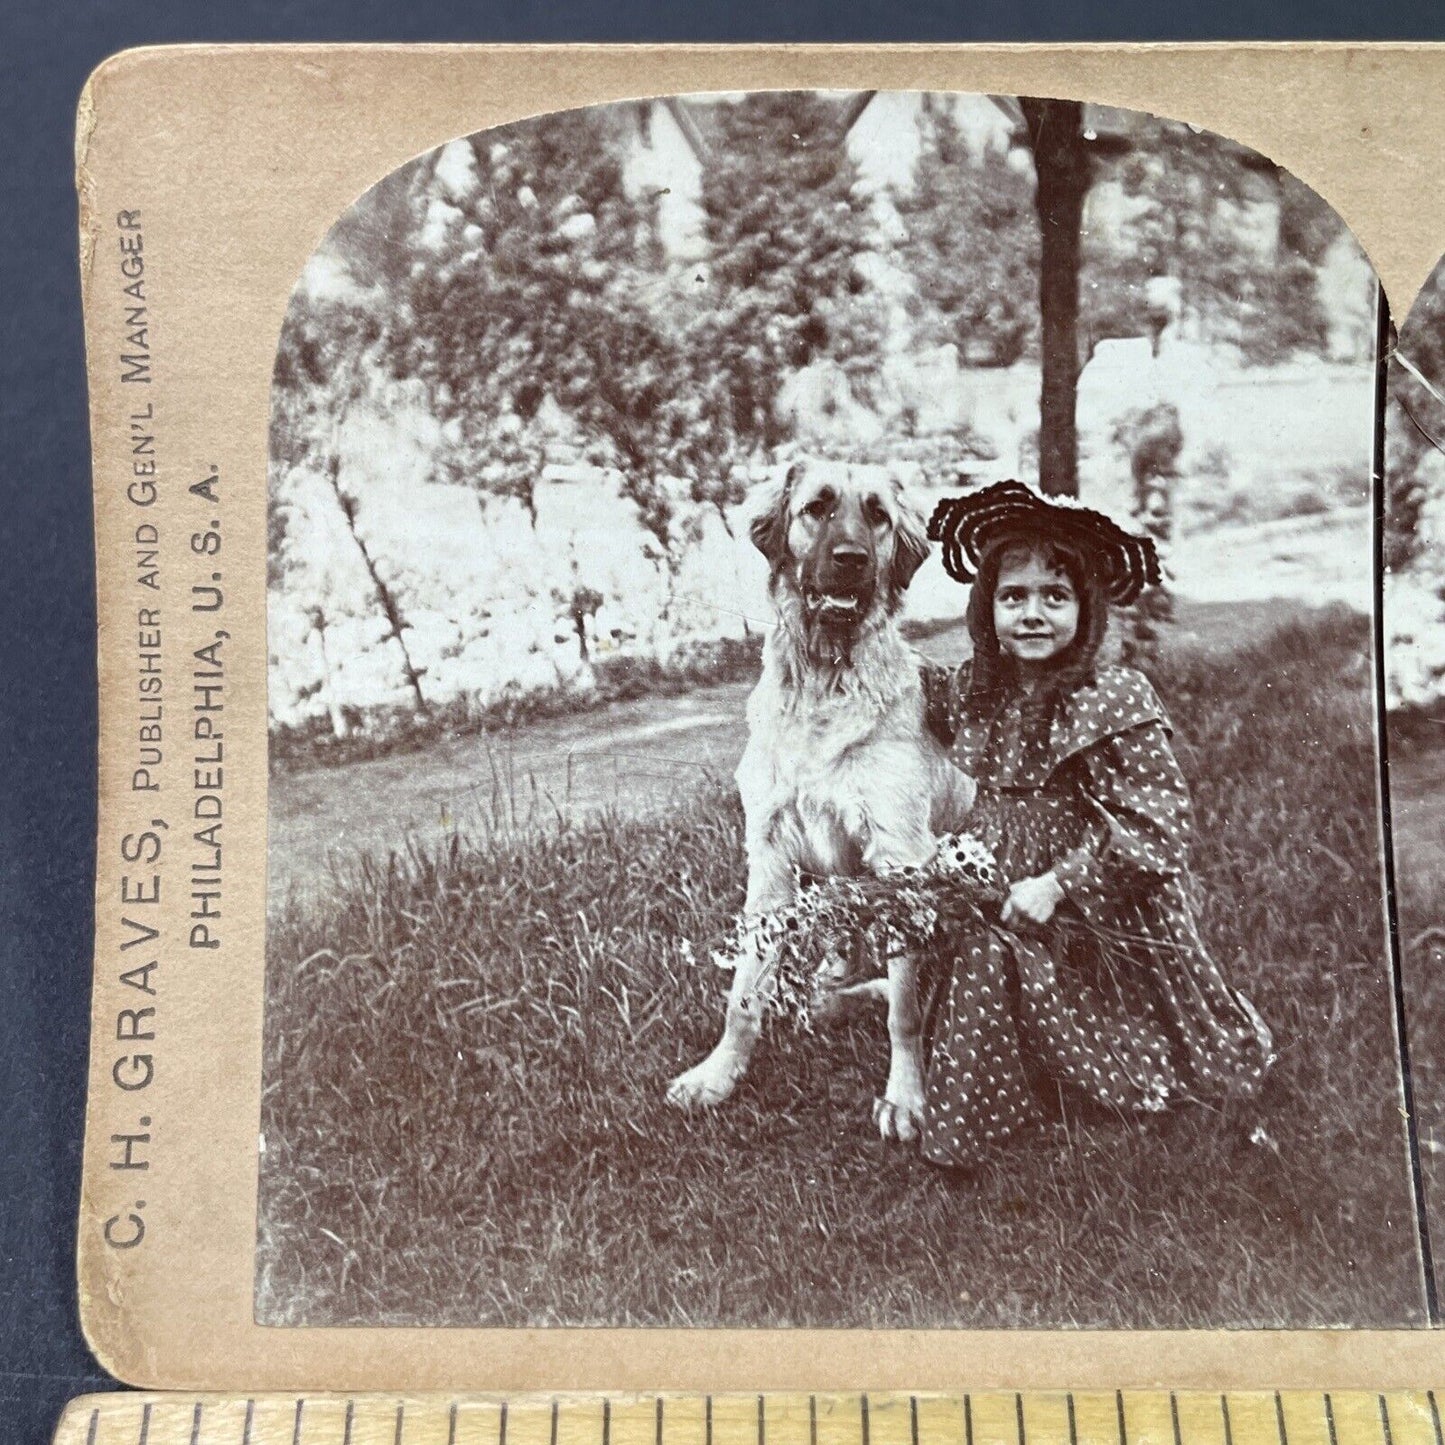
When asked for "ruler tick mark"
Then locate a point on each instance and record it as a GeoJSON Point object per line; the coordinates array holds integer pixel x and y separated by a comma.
{"type": "Point", "coordinates": [199, 1427]}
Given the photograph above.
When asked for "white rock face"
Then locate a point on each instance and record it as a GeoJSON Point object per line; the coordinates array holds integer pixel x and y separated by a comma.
{"type": "Point", "coordinates": [487, 593]}
{"type": "Point", "coordinates": [1414, 642]}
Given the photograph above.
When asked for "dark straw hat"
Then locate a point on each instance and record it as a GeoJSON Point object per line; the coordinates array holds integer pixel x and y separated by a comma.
{"type": "Point", "coordinates": [968, 526]}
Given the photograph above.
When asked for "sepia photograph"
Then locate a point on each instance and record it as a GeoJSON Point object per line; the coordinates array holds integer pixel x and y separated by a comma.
{"type": "Point", "coordinates": [822, 714]}
{"type": "Point", "coordinates": [1414, 627]}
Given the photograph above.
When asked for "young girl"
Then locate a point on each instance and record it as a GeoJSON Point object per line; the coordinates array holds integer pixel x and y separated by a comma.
{"type": "Point", "coordinates": [1096, 978]}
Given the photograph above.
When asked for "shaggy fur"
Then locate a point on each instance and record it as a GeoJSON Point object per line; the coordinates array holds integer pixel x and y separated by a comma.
{"type": "Point", "coordinates": [840, 775]}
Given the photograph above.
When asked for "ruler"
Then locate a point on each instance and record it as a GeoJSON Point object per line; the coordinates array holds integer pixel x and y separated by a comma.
{"type": "Point", "coordinates": [1126, 1417]}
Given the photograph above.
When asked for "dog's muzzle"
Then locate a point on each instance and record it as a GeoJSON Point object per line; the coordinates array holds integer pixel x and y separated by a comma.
{"type": "Point", "coordinates": [838, 595]}
{"type": "Point", "coordinates": [835, 609]}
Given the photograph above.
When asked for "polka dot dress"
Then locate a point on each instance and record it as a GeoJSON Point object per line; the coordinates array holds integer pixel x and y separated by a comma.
{"type": "Point", "coordinates": [1135, 1022]}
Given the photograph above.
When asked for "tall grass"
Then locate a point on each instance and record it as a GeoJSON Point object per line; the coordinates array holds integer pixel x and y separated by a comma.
{"type": "Point", "coordinates": [1417, 784]}
{"type": "Point", "coordinates": [464, 1067]}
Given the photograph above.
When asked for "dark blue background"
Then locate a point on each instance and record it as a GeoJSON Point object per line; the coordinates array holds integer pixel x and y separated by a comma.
{"type": "Point", "coordinates": [47, 622]}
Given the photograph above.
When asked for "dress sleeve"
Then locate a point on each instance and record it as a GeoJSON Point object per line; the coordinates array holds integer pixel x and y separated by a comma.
{"type": "Point", "coordinates": [939, 705]}
{"type": "Point", "coordinates": [1141, 829]}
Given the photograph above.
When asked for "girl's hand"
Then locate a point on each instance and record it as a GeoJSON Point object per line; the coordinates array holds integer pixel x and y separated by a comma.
{"type": "Point", "coordinates": [1032, 900]}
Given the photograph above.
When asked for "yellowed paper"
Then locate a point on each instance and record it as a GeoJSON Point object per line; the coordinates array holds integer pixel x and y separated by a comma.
{"type": "Point", "coordinates": [211, 180]}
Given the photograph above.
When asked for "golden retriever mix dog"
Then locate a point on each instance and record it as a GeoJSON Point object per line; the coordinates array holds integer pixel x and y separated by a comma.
{"type": "Point", "coordinates": [839, 776]}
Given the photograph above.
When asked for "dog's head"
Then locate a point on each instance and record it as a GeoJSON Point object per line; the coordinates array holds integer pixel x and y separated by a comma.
{"type": "Point", "coordinates": [843, 539]}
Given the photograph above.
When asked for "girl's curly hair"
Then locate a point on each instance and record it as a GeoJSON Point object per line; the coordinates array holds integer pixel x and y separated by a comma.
{"type": "Point", "coordinates": [994, 675]}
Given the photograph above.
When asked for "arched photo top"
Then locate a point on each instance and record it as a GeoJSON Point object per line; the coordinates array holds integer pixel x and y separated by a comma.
{"type": "Point", "coordinates": [591, 428]}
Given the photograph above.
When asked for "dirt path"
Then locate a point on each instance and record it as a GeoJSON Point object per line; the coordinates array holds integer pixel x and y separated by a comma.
{"type": "Point", "coordinates": [635, 756]}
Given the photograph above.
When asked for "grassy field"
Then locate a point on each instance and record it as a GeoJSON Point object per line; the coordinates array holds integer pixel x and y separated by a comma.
{"type": "Point", "coordinates": [1417, 787]}
{"type": "Point", "coordinates": [465, 1057]}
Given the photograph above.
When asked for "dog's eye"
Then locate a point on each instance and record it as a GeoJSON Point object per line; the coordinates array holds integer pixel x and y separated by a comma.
{"type": "Point", "coordinates": [817, 508]}
{"type": "Point", "coordinates": [875, 511]}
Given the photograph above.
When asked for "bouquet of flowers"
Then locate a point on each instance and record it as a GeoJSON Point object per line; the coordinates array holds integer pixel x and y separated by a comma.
{"type": "Point", "coordinates": [808, 947]}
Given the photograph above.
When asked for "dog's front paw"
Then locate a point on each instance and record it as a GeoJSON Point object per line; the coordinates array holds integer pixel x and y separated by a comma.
{"type": "Point", "coordinates": [899, 1117]}
{"type": "Point", "coordinates": [703, 1086]}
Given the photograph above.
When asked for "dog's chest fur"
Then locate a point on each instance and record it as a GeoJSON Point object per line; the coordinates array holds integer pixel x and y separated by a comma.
{"type": "Point", "coordinates": [831, 752]}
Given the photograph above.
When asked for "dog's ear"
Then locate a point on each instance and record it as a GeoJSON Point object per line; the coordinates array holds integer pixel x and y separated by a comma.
{"type": "Point", "coordinates": [769, 525]}
{"type": "Point", "coordinates": [910, 543]}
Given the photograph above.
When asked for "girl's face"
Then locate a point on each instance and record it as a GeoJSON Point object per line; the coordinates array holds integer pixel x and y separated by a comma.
{"type": "Point", "coordinates": [1035, 609]}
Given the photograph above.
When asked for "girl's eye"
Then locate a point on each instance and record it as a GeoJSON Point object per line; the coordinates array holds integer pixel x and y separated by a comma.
{"type": "Point", "coordinates": [1058, 596]}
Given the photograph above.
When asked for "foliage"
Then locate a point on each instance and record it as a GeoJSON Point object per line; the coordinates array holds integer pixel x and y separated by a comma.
{"type": "Point", "coordinates": [971, 246]}
{"type": "Point", "coordinates": [806, 945]}
{"type": "Point", "coordinates": [1414, 534]}
{"type": "Point", "coordinates": [1416, 423]}
{"type": "Point", "coordinates": [1152, 438]}
{"type": "Point", "coordinates": [1195, 198]}
{"type": "Point", "coordinates": [541, 278]}
{"type": "Point", "coordinates": [318, 373]}
{"type": "Point", "coordinates": [533, 289]}
{"type": "Point", "coordinates": [325, 366]}
{"type": "Point", "coordinates": [785, 227]}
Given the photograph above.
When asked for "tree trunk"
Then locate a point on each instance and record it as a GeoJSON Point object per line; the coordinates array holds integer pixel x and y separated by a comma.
{"type": "Point", "coordinates": [1061, 165]}
{"type": "Point", "coordinates": [339, 726]}
{"type": "Point", "coordinates": [390, 606]}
